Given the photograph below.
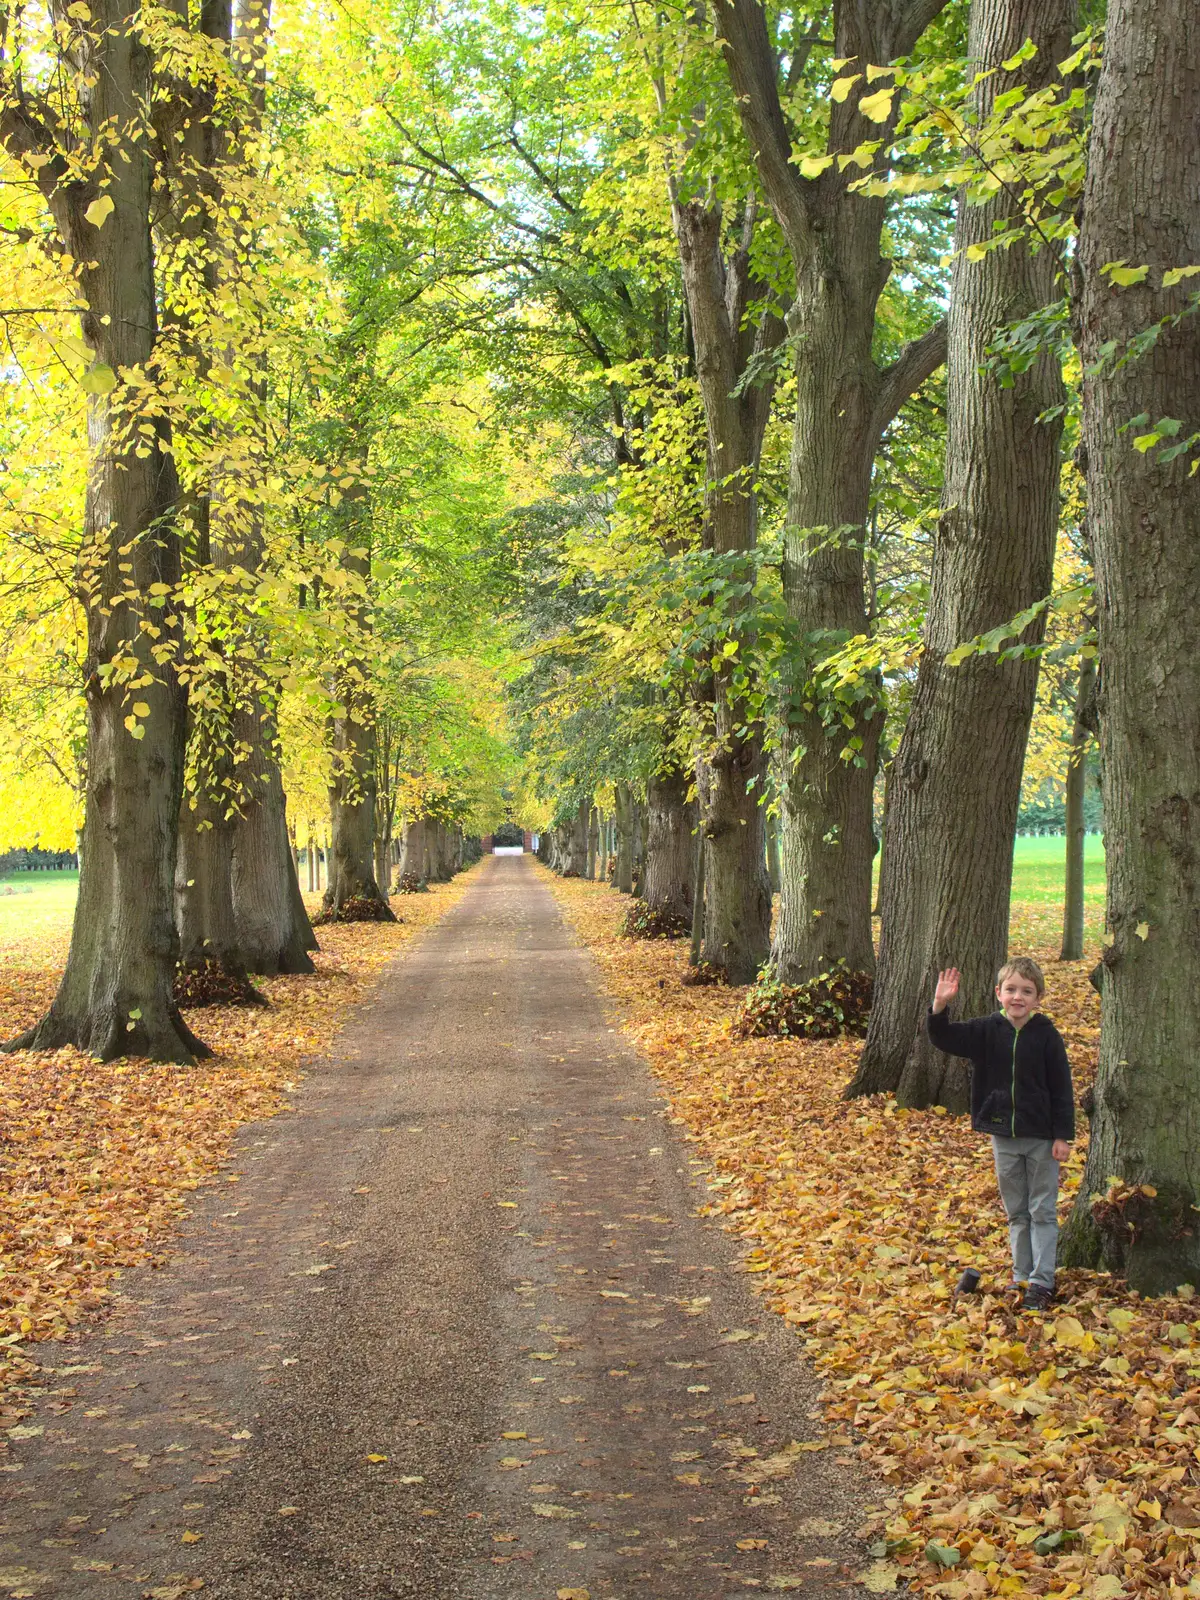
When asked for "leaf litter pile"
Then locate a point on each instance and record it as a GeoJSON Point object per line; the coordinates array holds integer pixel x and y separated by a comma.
{"type": "Point", "coordinates": [98, 1160]}
{"type": "Point", "coordinates": [1053, 1456]}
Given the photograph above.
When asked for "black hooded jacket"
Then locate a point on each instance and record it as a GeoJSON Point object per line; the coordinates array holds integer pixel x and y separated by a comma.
{"type": "Point", "coordinates": [1020, 1077]}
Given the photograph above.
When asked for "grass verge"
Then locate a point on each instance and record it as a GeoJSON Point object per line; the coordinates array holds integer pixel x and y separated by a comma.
{"type": "Point", "coordinates": [1054, 1456]}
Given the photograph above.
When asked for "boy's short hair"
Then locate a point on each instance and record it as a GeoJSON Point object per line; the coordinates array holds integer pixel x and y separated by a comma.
{"type": "Point", "coordinates": [1023, 967]}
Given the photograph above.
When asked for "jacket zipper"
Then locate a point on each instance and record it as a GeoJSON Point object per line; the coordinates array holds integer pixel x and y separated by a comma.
{"type": "Point", "coordinates": [1016, 1036]}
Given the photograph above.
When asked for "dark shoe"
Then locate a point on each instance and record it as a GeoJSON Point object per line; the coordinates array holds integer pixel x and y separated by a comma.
{"type": "Point", "coordinates": [1037, 1298]}
{"type": "Point", "coordinates": [1017, 1286]}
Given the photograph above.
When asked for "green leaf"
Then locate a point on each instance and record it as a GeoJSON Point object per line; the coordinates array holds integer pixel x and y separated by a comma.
{"type": "Point", "coordinates": [100, 379]}
{"type": "Point", "coordinates": [942, 1555]}
{"type": "Point", "coordinates": [1117, 272]}
{"type": "Point", "coordinates": [1174, 275]}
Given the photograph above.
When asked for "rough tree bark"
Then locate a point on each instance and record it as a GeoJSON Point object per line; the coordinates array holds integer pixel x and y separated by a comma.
{"type": "Point", "coordinates": [575, 842]}
{"type": "Point", "coordinates": [737, 923]}
{"type": "Point", "coordinates": [844, 401]}
{"type": "Point", "coordinates": [274, 933]}
{"type": "Point", "coordinates": [196, 151]}
{"type": "Point", "coordinates": [670, 848]}
{"type": "Point", "coordinates": [1140, 208]}
{"type": "Point", "coordinates": [412, 852]}
{"type": "Point", "coordinates": [638, 843]}
{"type": "Point", "coordinates": [954, 785]}
{"type": "Point", "coordinates": [624, 867]}
{"type": "Point", "coordinates": [115, 997]}
{"type": "Point", "coordinates": [1076, 827]}
{"type": "Point", "coordinates": [593, 843]}
{"type": "Point", "coordinates": [352, 746]}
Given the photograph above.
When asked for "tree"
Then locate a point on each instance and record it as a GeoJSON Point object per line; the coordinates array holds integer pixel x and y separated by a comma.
{"type": "Point", "coordinates": [1076, 826]}
{"type": "Point", "coordinates": [954, 784]}
{"type": "Point", "coordinates": [732, 337]}
{"type": "Point", "coordinates": [1140, 344]}
{"type": "Point", "coordinates": [844, 401]}
{"type": "Point", "coordinates": [91, 158]}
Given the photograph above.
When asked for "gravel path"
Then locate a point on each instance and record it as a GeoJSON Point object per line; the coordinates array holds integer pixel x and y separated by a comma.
{"type": "Point", "coordinates": [450, 1329]}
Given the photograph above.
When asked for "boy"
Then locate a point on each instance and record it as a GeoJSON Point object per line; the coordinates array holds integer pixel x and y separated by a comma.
{"type": "Point", "coordinates": [1021, 1094]}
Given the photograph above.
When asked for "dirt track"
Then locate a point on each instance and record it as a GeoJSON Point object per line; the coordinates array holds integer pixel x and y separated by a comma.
{"type": "Point", "coordinates": [476, 1223]}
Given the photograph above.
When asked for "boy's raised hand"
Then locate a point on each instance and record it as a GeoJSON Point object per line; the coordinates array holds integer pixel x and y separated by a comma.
{"type": "Point", "coordinates": [947, 988]}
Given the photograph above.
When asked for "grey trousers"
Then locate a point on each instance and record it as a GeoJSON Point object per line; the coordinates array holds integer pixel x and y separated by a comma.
{"type": "Point", "coordinates": [1028, 1178]}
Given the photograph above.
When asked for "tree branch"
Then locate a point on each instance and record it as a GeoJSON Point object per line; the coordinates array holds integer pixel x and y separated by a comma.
{"type": "Point", "coordinates": [917, 361]}
{"type": "Point", "coordinates": [754, 72]}
{"type": "Point", "coordinates": [912, 18]}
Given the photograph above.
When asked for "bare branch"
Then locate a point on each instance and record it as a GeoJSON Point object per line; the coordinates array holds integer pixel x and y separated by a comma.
{"type": "Point", "coordinates": [917, 361]}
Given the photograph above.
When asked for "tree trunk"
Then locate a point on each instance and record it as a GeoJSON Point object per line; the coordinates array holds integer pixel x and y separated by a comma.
{"type": "Point", "coordinates": [412, 854]}
{"type": "Point", "coordinates": [669, 847]}
{"type": "Point", "coordinates": [771, 823]}
{"type": "Point", "coordinates": [1081, 736]}
{"type": "Point", "coordinates": [593, 844]}
{"type": "Point", "coordinates": [211, 970]}
{"type": "Point", "coordinates": [698, 899]}
{"type": "Point", "coordinates": [115, 997]}
{"type": "Point", "coordinates": [575, 843]}
{"type": "Point", "coordinates": [352, 818]}
{"type": "Point", "coordinates": [352, 891]}
{"type": "Point", "coordinates": [727, 342]}
{"type": "Point", "coordinates": [274, 933]}
{"type": "Point", "coordinates": [311, 854]}
{"type": "Point", "coordinates": [638, 844]}
{"type": "Point", "coordinates": [1140, 208]}
{"type": "Point", "coordinates": [954, 784]}
{"type": "Point", "coordinates": [843, 403]}
{"type": "Point", "coordinates": [624, 868]}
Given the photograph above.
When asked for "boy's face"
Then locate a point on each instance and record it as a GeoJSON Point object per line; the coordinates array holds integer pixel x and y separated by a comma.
{"type": "Point", "coordinates": [1018, 996]}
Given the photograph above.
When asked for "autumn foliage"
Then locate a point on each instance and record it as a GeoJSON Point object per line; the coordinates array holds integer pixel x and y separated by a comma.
{"type": "Point", "coordinates": [1053, 1456]}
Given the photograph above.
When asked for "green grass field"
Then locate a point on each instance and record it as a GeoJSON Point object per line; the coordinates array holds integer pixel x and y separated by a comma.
{"type": "Point", "coordinates": [38, 905]}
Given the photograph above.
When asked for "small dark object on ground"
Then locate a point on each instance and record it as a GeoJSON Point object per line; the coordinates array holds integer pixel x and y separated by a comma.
{"type": "Point", "coordinates": [644, 922]}
{"type": "Point", "coordinates": [704, 975]}
{"type": "Point", "coordinates": [833, 1003]}
{"type": "Point", "coordinates": [214, 984]}
{"type": "Point", "coordinates": [359, 908]}
{"type": "Point", "coordinates": [411, 884]}
{"type": "Point", "coordinates": [968, 1283]}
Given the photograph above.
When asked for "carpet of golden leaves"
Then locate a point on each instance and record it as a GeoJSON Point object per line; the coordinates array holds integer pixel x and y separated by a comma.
{"type": "Point", "coordinates": [1056, 1456]}
{"type": "Point", "coordinates": [99, 1159]}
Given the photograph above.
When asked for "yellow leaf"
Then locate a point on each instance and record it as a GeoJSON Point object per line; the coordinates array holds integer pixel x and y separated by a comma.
{"type": "Point", "coordinates": [376, 1458]}
{"type": "Point", "coordinates": [188, 1537]}
{"type": "Point", "coordinates": [841, 87]}
{"type": "Point", "coordinates": [1142, 930]}
{"type": "Point", "coordinates": [880, 1578]}
{"type": "Point", "coordinates": [573, 1594]}
{"type": "Point", "coordinates": [1068, 1331]}
{"type": "Point", "coordinates": [508, 1205]}
{"type": "Point", "coordinates": [814, 166]}
{"type": "Point", "coordinates": [140, 708]}
{"type": "Point", "coordinates": [99, 211]}
{"type": "Point", "coordinates": [877, 106]}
